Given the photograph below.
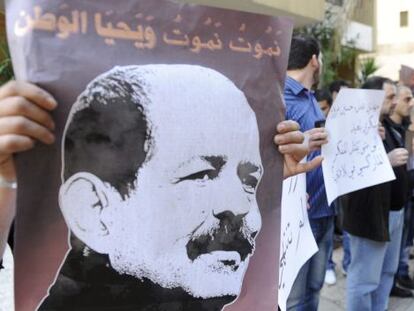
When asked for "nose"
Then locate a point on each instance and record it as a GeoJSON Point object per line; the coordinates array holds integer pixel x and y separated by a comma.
{"type": "Point", "coordinates": [394, 102]}
{"type": "Point", "coordinates": [233, 202]}
{"type": "Point", "coordinates": [228, 218]}
{"type": "Point", "coordinates": [232, 198]}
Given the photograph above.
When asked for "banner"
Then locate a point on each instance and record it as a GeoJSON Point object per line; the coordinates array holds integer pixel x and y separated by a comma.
{"type": "Point", "coordinates": [163, 189]}
{"type": "Point", "coordinates": [297, 243]}
{"type": "Point", "coordinates": [355, 157]}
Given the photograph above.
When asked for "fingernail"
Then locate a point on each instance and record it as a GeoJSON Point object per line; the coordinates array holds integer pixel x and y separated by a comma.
{"type": "Point", "coordinates": [51, 138]}
{"type": "Point", "coordinates": [52, 101]}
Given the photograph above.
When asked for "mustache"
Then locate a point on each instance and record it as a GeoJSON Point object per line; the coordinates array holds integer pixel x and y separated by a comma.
{"type": "Point", "coordinates": [230, 235]}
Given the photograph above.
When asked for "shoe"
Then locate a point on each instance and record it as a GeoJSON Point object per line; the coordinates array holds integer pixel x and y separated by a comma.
{"type": "Point", "coordinates": [401, 292]}
{"type": "Point", "coordinates": [330, 277]}
{"type": "Point", "coordinates": [344, 273]}
{"type": "Point", "coordinates": [405, 282]}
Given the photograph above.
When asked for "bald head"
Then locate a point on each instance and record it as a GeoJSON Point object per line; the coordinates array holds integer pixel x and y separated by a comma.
{"type": "Point", "coordinates": [139, 104]}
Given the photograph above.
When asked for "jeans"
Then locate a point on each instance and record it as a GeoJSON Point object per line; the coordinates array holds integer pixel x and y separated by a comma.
{"type": "Point", "coordinates": [304, 295]}
{"type": "Point", "coordinates": [347, 253]}
{"type": "Point", "coordinates": [373, 265]}
{"type": "Point", "coordinates": [405, 242]}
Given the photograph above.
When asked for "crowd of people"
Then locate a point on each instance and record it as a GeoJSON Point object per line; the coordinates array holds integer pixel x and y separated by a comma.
{"type": "Point", "coordinates": [376, 223]}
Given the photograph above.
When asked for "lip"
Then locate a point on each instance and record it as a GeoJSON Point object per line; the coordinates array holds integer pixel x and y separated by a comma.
{"type": "Point", "coordinates": [222, 260]}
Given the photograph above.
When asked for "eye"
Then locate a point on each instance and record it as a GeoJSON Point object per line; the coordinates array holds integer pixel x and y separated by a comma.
{"type": "Point", "coordinates": [250, 183]}
{"type": "Point", "coordinates": [200, 176]}
{"type": "Point", "coordinates": [249, 175]}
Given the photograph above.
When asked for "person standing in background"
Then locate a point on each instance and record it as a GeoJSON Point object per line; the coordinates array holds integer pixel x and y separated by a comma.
{"type": "Point", "coordinates": [304, 67]}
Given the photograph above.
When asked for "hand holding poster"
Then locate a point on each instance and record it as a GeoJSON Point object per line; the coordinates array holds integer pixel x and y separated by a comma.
{"type": "Point", "coordinates": [355, 157]}
{"type": "Point", "coordinates": [297, 243]}
{"type": "Point", "coordinates": [164, 171]}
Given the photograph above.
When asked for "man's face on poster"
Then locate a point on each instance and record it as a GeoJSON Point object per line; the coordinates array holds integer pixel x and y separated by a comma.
{"type": "Point", "coordinates": [192, 217]}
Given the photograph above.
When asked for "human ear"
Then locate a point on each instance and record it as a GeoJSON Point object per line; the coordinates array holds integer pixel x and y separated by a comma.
{"type": "Point", "coordinates": [314, 61]}
{"type": "Point", "coordinates": [82, 200]}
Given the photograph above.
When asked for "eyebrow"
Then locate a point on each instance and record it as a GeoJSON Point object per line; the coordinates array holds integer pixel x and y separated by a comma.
{"type": "Point", "coordinates": [250, 168]}
{"type": "Point", "coordinates": [217, 162]}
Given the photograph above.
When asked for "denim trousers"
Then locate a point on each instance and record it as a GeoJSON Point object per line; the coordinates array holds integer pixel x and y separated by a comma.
{"type": "Point", "coordinates": [304, 295]}
{"type": "Point", "coordinates": [373, 265]}
{"type": "Point", "coordinates": [346, 259]}
{"type": "Point", "coordinates": [403, 266]}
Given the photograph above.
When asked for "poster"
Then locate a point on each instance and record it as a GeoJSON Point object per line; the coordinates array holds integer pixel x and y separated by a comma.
{"type": "Point", "coordinates": [297, 243]}
{"type": "Point", "coordinates": [354, 157]}
{"type": "Point", "coordinates": [162, 191]}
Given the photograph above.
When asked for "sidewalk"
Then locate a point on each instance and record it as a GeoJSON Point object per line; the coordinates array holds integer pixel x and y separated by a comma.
{"type": "Point", "coordinates": [333, 297]}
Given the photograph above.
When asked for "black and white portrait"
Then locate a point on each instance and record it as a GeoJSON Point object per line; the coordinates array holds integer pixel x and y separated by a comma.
{"type": "Point", "coordinates": [160, 167]}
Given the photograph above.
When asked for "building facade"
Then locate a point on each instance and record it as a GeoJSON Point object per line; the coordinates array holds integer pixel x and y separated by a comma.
{"type": "Point", "coordinates": [303, 12]}
{"type": "Point", "coordinates": [394, 36]}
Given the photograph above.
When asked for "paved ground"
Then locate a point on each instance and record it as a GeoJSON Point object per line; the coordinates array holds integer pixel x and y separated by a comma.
{"type": "Point", "coordinates": [333, 297]}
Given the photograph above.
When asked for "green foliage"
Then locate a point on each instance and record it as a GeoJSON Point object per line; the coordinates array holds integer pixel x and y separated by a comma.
{"type": "Point", "coordinates": [368, 67]}
{"type": "Point", "coordinates": [6, 67]}
{"type": "Point", "coordinates": [336, 56]}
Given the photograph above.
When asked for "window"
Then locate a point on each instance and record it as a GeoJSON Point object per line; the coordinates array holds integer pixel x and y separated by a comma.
{"type": "Point", "coordinates": [404, 19]}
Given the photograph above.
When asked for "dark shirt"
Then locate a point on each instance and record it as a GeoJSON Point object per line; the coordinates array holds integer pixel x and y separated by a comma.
{"type": "Point", "coordinates": [302, 107]}
{"type": "Point", "coordinates": [87, 282]}
{"type": "Point", "coordinates": [395, 138]}
{"type": "Point", "coordinates": [366, 212]}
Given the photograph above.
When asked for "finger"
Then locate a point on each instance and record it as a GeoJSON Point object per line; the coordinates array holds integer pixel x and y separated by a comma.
{"type": "Point", "coordinates": [291, 167]}
{"type": "Point", "coordinates": [318, 136]}
{"type": "Point", "coordinates": [296, 151]}
{"type": "Point", "coordinates": [30, 91]}
{"type": "Point", "coordinates": [316, 130]}
{"type": "Point", "coordinates": [311, 165]}
{"type": "Point", "coordinates": [22, 126]}
{"type": "Point", "coordinates": [287, 126]}
{"type": "Point", "coordinates": [402, 156]}
{"type": "Point", "coordinates": [295, 137]}
{"type": "Point", "coordinates": [20, 106]}
{"type": "Point", "coordinates": [317, 144]}
{"type": "Point", "coordinates": [11, 143]}
{"type": "Point", "coordinates": [404, 160]}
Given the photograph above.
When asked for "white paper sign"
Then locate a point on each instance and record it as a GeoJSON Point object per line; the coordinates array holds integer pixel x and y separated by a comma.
{"type": "Point", "coordinates": [297, 243]}
{"type": "Point", "coordinates": [354, 157]}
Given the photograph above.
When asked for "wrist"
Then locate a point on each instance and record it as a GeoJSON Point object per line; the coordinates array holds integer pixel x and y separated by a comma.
{"type": "Point", "coordinates": [8, 184]}
{"type": "Point", "coordinates": [7, 170]}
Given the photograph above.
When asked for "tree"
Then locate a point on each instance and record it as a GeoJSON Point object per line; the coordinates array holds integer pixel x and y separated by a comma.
{"type": "Point", "coordinates": [368, 66]}
{"type": "Point", "coordinates": [338, 59]}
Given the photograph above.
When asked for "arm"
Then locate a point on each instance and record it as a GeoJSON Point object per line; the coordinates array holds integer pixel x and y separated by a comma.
{"type": "Point", "coordinates": [24, 120]}
{"type": "Point", "coordinates": [291, 143]}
